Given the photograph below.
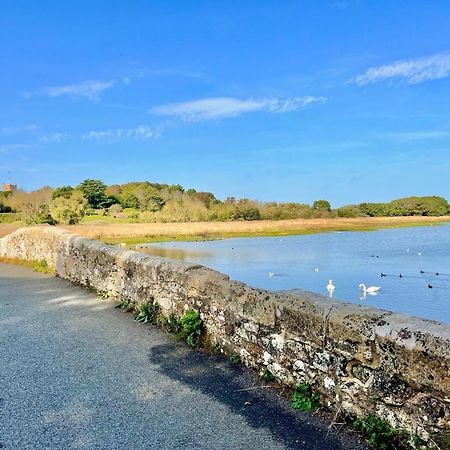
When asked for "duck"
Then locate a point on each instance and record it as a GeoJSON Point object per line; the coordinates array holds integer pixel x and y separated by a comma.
{"type": "Point", "coordinates": [383, 275]}
{"type": "Point", "coordinates": [316, 269]}
{"type": "Point", "coordinates": [430, 286]}
{"type": "Point", "coordinates": [369, 290]}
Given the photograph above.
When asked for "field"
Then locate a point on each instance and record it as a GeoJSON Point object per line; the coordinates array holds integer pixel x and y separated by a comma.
{"type": "Point", "coordinates": [133, 233]}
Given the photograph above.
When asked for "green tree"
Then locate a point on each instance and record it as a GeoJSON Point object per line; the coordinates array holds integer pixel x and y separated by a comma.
{"type": "Point", "coordinates": [69, 210]}
{"type": "Point", "coordinates": [129, 201]}
{"type": "Point", "coordinates": [323, 205]}
{"type": "Point", "coordinates": [63, 191]}
{"type": "Point", "coordinates": [94, 193]}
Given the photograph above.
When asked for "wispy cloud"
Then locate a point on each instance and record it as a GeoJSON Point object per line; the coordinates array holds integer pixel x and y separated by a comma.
{"type": "Point", "coordinates": [91, 89]}
{"type": "Point", "coordinates": [222, 107]}
{"type": "Point", "coordinates": [53, 138]}
{"type": "Point", "coordinates": [7, 148]}
{"type": "Point", "coordinates": [11, 129]}
{"type": "Point", "coordinates": [339, 5]}
{"type": "Point", "coordinates": [409, 136]}
{"type": "Point", "coordinates": [412, 71]}
{"type": "Point", "coordinates": [139, 133]}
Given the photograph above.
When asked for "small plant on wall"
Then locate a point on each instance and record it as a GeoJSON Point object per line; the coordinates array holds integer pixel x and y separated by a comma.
{"type": "Point", "coordinates": [148, 312]}
{"type": "Point", "coordinates": [304, 398]}
{"type": "Point", "coordinates": [193, 328]}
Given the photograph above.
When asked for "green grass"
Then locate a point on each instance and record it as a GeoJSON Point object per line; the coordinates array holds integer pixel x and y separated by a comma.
{"type": "Point", "coordinates": [106, 219]}
{"type": "Point", "coordinates": [10, 218]}
{"type": "Point", "coordinates": [38, 266]}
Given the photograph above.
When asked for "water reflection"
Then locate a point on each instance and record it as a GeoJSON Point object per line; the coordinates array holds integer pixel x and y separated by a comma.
{"type": "Point", "coordinates": [174, 253]}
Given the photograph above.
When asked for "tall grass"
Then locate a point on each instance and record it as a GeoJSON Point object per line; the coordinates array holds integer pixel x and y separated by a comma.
{"type": "Point", "coordinates": [139, 232]}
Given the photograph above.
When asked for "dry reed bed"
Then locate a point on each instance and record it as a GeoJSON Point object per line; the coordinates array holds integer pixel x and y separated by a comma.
{"type": "Point", "coordinates": [116, 231]}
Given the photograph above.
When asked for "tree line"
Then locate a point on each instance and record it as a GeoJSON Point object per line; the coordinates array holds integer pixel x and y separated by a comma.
{"type": "Point", "coordinates": [155, 202]}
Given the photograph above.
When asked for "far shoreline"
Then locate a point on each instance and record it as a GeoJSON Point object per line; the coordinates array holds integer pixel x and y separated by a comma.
{"type": "Point", "coordinates": [140, 233]}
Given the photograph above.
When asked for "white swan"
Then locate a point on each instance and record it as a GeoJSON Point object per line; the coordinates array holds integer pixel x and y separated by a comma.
{"type": "Point", "coordinates": [316, 269]}
{"type": "Point", "coordinates": [271, 274]}
{"type": "Point", "coordinates": [331, 287]}
{"type": "Point", "coordinates": [369, 290]}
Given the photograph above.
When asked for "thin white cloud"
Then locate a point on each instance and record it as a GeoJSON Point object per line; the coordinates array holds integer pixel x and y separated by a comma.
{"type": "Point", "coordinates": [7, 148]}
{"type": "Point", "coordinates": [412, 71]}
{"type": "Point", "coordinates": [409, 136]}
{"type": "Point", "coordinates": [222, 107]}
{"type": "Point", "coordinates": [11, 129]}
{"type": "Point", "coordinates": [91, 89]}
{"type": "Point", "coordinates": [139, 133]}
{"type": "Point", "coordinates": [53, 138]}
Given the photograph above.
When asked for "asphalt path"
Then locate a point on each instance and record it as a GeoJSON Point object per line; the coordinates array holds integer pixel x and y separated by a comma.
{"type": "Point", "coordinates": [77, 373]}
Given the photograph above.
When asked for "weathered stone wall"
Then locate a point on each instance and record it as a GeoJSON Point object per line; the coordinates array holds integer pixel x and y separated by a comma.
{"type": "Point", "coordinates": [361, 359]}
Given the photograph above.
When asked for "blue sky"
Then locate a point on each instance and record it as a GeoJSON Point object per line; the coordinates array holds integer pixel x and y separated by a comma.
{"type": "Point", "coordinates": [287, 101]}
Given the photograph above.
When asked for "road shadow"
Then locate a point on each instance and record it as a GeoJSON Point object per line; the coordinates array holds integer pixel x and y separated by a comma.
{"type": "Point", "coordinates": [245, 395]}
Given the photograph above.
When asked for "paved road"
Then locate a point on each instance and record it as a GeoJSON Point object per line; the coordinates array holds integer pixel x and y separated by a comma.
{"type": "Point", "coordinates": [76, 373]}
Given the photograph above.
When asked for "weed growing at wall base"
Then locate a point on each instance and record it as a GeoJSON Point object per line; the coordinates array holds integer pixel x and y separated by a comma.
{"type": "Point", "coordinates": [268, 376]}
{"type": "Point", "coordinates": [235, 358]}
{"type": "Point", "coordinates": [148, 312]}
{"type": "Point", "coordinates": [125, 305]}
{"type": "Point", "coordinates": [304, 398]}
{"type": "Point", "coordinates": [192, 328]}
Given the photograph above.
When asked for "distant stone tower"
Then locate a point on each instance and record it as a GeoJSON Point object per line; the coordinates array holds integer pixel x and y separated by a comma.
{"type": "Point", "coordinates": [9, 187]}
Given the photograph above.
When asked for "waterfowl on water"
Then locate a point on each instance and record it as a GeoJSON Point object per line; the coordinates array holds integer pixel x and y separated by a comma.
{"type": "Point", "coordinates": [383, 275]}
{"type": "Point", "coordinates": [430, 286]}
{"type": "Point", "coordinates": [369, 290]}
{"type": "Point", "coordinates": [316, 269]}
{"type": "Point", "coordinates": [271, 274]}
{"type": "Point", "coordinates": [330, 286]}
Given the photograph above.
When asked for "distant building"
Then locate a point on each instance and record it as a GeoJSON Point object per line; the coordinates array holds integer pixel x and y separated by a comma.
{"type": "Point", "coordinates": [8, 187]}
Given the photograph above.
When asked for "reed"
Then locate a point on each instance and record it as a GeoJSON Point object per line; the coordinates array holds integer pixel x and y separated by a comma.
{"type": "Point", "coordinates": [133, 233]}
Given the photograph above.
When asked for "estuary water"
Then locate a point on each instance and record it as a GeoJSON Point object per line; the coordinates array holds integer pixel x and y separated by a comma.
{"type": "Point", "coordinates": [348, 258]}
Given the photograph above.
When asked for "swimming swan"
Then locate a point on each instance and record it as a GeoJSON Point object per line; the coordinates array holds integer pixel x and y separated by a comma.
{"type": "Point", "coordinates": [369, 290]}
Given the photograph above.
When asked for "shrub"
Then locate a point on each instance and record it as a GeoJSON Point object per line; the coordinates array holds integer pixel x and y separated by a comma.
{"type": "Point", "coordinates": [68, 210]}
{"type": "Point", "coordinates": [63, 191]}
{"type": "Point", "coordinates": [322, 205]}
{"type": "Point", "coordinates": [192, 328]}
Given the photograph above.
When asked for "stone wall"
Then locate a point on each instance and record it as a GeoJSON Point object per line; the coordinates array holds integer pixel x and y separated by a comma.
{"type": "Point", "coordinates": [361, 359]}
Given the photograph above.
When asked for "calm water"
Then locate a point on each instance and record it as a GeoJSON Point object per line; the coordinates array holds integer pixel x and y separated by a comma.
{"type": "Point", "coordinates": [349, 258]}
